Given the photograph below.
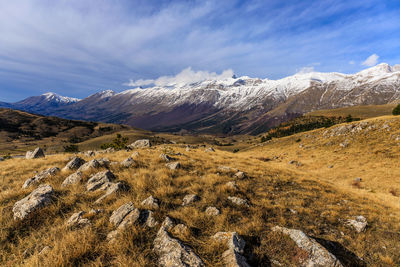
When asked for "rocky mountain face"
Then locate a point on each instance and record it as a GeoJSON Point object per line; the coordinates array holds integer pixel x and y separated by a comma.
{"type": "Point", "coordinates": [230, 106]}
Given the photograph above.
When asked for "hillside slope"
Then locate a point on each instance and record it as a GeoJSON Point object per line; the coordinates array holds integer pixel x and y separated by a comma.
{"type": "Point", "coordinates": [303, 182]}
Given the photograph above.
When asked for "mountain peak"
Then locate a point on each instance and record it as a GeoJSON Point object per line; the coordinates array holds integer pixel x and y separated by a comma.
{"type": "Point", "coordinates": [50, 96]}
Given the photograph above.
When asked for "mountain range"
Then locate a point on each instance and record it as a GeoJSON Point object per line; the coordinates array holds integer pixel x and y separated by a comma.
{"type": "Point", "coordinates": [236, 105]}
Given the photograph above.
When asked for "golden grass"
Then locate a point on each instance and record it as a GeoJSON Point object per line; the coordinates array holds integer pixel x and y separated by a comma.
{"type": "Point", "coordinates": [363, 112]}
{"type": "Point", "coordinates": [319, 206]}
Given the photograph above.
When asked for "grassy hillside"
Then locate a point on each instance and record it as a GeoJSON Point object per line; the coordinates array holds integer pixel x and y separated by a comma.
{"type": "Point", "coordinates": [307, 185]}
{"type": "Point", "coordinates": [363, 112]}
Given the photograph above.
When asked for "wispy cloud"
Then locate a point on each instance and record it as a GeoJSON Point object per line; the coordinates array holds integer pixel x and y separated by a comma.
{"type": "Point", "coordinates": [186, 76]}
{"type": "Point", "coordinates": [78, 47]}
{"type": "Point", "coordinates": [372, 60]}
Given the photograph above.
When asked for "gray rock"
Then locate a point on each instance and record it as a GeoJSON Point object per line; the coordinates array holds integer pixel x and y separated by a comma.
{"type": "Point", "coordinates": [98, 179]}
{"type": "Point", "coordinates": [212, 211]}
{"type": "Point", "coordinates": [238, 201]}
{"type": "Point", "coordinates": [41, 176]}
{"type": "Point", "coordinates": [232, 185]}
{"type": "Point", "coordinates": [143, 143]}
{"type": "Point", "coordinates": [95, 211]}
{"type": "Point", "coordinates": [119, 214]}
{"type": "Point", "coordinates": [131, 218]}
{"type": "Point", "coordinates": [37, 199]}
{"type": "Point", "coordinates": [150, 203]}
{"type": "Point", "coordinates": [224, 168]}
{"type": "Point", "coordinates": [135, 154]}
{"type": "Point", "coordinates": [110, 188]}
{"type": "Point", "coordinates": [359, 223]}
{"type": "Point", "coordinates": [129, 162]}
{"type": "Point", "coordinates": [173, 165]}
{"type": "Point", "coordinates": [74, 178]}
{"type": "Point", "coordinates": [77, 221]}
{"type": "Point", "coordinates": [172, 252]}
{"type": "Point", "coordinates": [317, 254]}
{"type": "Point", "coordinates": [168, 223]}
{"type": "Point", "coordinates": [93, 164]}
{"type": "Point", "coordinates": [180, 229]}
{"type": "Point", "coordinates": [209, 149]}
{"type": "Point", "coordinates": [165, 157]}
{"type": "Point", "coordinates": [189, 199]}
{"type": "Point", "coordinates": [233, 256]}
{"type": "Point", "coordinates": [90, 153]}
{"type": "Point", "coordinates": [147, 218]}
{"type": "Point", "coordinates": [74, 164]}
{"type": "Point", "coordinates": [37, 153]}
{"type": "Point", "coordinates": [240, 175]}
{"type": "Point", "coordinates": [104, 162]}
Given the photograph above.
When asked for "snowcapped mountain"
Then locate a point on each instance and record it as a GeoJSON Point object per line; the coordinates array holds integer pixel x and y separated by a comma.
{"type": "Point", "coordinates": [231, 105]}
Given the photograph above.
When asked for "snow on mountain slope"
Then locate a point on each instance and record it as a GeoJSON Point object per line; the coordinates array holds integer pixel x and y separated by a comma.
{"type": "Point", "coordinates": [60, 99]}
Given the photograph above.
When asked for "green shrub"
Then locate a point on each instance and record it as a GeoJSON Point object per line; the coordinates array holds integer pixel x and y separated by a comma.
{"type": "Point", "coordinates": [118, 143]}
{"type": "Point", "coordinates": [396, 110]}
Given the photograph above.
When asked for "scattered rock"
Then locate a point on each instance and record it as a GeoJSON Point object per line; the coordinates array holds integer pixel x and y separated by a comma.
{"type": "Point", "coordinates": [187, 149]}
{"type": "Point", "coordinates": [173, 165]}
{"type": "Point", "coordinates": [90, 153]}
{"type": "Point", "coordinates": [295, 162]}
{"type": "Point", "coordinates": [39, 198]}
{"type": "Point", "coordinates": [37, 153]}
{"type": "Point", "coordinates": [129, 162]}
{"type": "Point", "coordinates": [95, 211]}
{"type": "Point", "coordinates": [224, 168]}
{"type": "Point", "coordinates": [240, 175]}
{"type": "Point", "coordinates": [345, 144]}
{"type": "Point", "coordinates": [74, 178]}
{"type": "Point", "coordinates": [76, 220]}
{"type": "Point", "coordinates": [233, 256]}
{"type": "Point", "coordinates": [150, 203]}
{"type": "Point", "coordinates": [135, 154]}
{"type": "Point", "coordinates": [357, 180]}
{"type": "Point", "coordinates": [143, 143]}
{"type": "Point", "coordinates": [41, 176]}
{"type": "Point", "coordinates": [168, 223]}
{"type": "Point", "coordinates": [212, 211]}
{"type": "Point", "coordinates": [189, 199]}
{"type": "Point", "coordinates": [94, 163]}
{"type": "Point", "coordinates": [209, 149]}
{"type": "Point", "coordinates": [232, 185]}
{"type": "Point", "coordinates": [110, 189]}
{"type": "Point", "coordinates": [119, 214]}
{"type": "Point", "coordinates": [165, 157]}
{"type": "Point", "coordinates": [147, 218]}
{"type": "Point", "coordinates": [317, 254]}
{"type": "Point", "coordinates": [74, 164]}
{"type": "Point", "coordinates": [359, 223]}
{"type": "Point", "coordinates": [98, 179]}
{"type": "Point", "coordinates": [104, 162]}
{"type": "Point", "coordinates": [180, 230]}
{"type": "Point", "coordinates": [330, 166]}
{"type": "Point", "coordinates": [172, 252]}
{"type": "Point", "coordinates": [239, 201]}
{"type": "Point", "coordinates": [131, 218]}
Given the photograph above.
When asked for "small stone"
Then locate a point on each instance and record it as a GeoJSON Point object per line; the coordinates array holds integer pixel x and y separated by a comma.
{"type": "Point", "coordinates": [151, 203]}
{"type": "Point", "coordinates": [98, 179]}
{"type": "Point", "coordinates": [165, 157]}
{"type": "Point", "coordinates": [238, 201]}
{"type": "Point", "coordinates": [209, 149]}
{"type": "Point", "coordinates": [76, 220]}
{"type": "Point", "coordinates": [189, 199]}
{"type": "Point", "coordinates": [240, 175]}
{"type": "Point", "coordinates": [93, 164]}
{"type": "Point", "coordinates": [129, 162]}
{"type": "Point", "coordinates": [95, 211]}
{"type": "Point", "coordinates": [90, 153]}
{"type": "Point", "coordinates": [212, 211]}
{"type": "Point", "coordinates": [173, 165]}
{"type": "Point", "coordinates": [72, 179]}
{"type": "Point", "coordinates": [359, 223]}
{"type": "Point", "coordinates": [131, 218]}
{"type": "Point", "coordinates": [168, 223]}
{"type": "Point", "coordinates": [41, 176]}
{"type": "Point", "coordinates": [37, 153]}
{"type": "Point", "coordinates": [74, 164]}
{"type": "Point", "coordinates": [110, 188]}
{"type": "Point", "coordinates": [232, 185]}
{"type": "Point", "coordinates": [119, 214]}
{"type": "Point", "coordinates": [142, 143]}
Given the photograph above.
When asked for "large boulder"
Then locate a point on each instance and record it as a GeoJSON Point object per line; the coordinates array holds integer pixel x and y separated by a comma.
{"type": "Point", "coordinates": [317, 254]}
{"type": "Point", "coordinates": [74, 164]}
{"type": "Point", "coordinates": [37, 199]}
{"type": "Point", "coordinates": [98, 179]}
{"type": "Point", "coordinates": [172, 252]}
{"type": "Point", "coordinates": [37, 153]}
{"type": "Point", "coordinates": [41, 176]}
{"type": "Point", "coordinates": [142, 143]}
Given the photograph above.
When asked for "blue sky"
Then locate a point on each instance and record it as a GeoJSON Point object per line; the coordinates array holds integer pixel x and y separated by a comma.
{"type": "Point", "coordinates": [76, 48]}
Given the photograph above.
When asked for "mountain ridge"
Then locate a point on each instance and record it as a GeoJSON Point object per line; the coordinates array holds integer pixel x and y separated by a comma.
{"type": "Point", "coordinates": [232, 105]}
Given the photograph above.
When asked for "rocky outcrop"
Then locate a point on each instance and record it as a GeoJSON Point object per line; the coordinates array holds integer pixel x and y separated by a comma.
{"type": "Point", "coordinates": [37, 153]}
{"type": "Point", "coordinates": [233, 257]}
{"type": "Point", "coordinates": [41, 176]}
{"type": "Point", "coordinates": [74, 178]}
{"type": "Point", "coordinates": [98, 179]}
{"type": "Point", "coordinates": [359, 223]}
{"type": "Point", "coordinates": [77, 220]}
{"type": "Point", "coordinates": [172, 252]}
{"type": "Point", "coordinates": [142, 143]}
{"type": "Point", "coordinates": [150, 203]}
{"type": "Point", "coordinates": [74, 164]}
{"type": "Point", "coordinates": [37, 199]}
{"type": "Point", "coordinates": [317, 254]}
{"type": "Point", "coordinates": [110, 188]}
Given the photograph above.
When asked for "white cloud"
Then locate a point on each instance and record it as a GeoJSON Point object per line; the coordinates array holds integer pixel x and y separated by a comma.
{"type": "Point", "coordinates": [305, 70]}
{"type": "Point", "coordinates": [186, 76]}
{"type": "Point", "coordinates": [352, 62]}
{"type": "Point", "coordinates": [372, 60]}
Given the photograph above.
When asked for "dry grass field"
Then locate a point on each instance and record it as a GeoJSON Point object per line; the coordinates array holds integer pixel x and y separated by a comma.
{"type": "Point", "coordinates": [363, 112]}
{"type": "Point", "coordinates": [316, 195]}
